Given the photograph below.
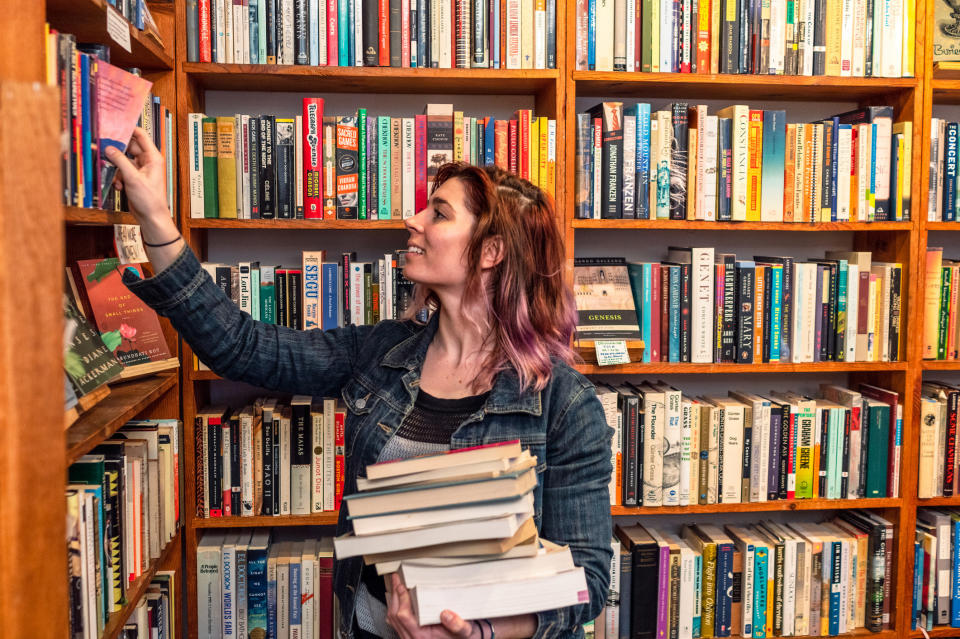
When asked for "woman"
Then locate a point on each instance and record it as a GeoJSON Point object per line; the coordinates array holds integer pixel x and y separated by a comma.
{"type": "Point", "coordinates": [491, 364]}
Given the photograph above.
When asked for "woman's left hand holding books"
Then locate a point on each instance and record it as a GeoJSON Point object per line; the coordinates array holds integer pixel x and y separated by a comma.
{"type": "Point", "coordinates": [401, 617]}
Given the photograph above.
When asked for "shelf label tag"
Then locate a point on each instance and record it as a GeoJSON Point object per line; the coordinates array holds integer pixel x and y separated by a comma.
{"type": "Point", "coordinates": [118, 28]}
{"type": "Point", "coordinates": [129, 244]}
{"type": "Point", "coordinates": [611, 351]}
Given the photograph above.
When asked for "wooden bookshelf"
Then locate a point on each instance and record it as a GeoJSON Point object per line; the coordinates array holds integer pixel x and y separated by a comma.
{"type": "Point", "coordinates": [940, 365]}
{"type": "Point", "coordinates": [316, 519]}
{"type": "Point", "coordinates": [699, 225]}
{"type": "Point", "coordinates": [709, 369]}
{"type": "Point", "coordinates": [938, 631]}
{"type": "Point", "coordinates": [756, 507]}
{"type": "Point", "coordinates": [316, 225]}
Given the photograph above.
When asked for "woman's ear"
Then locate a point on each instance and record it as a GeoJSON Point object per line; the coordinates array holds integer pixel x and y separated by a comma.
{"type": "Point", "coordinates": [492, 252]}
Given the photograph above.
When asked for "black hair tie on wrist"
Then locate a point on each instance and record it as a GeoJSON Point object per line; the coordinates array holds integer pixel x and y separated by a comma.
{"type": "Point", "coordinates": [480, 626]}
{"type": "Point", "coordinates": [493, 635]}
{"type": "Point", "coordinates": [179, 237]}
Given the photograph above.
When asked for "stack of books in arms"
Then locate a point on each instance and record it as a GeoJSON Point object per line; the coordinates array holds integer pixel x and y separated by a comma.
{"type": "Point", "coordinates": [317, 293]}
{"type": "Point", "coordinates": [861, 38]}
{"type": "Point", "coordinates": [459, 529]}
{"type": "Point", "coordinates": [936, 569]}
{"type": "Point", "coordinates": [123, 507]}
{"type": "Point", "coordinates": [670, 449]}
{"type": "Point", "coordinates": [702, 306]}
{"type": "Point", "coordinates": [517, 34]}
{"type": "Point", "coordinates": [270, 458]}
{"type": "Point", "coordinates": [761, 580]}
{"type": "Point", "coordinates": [938, 471]}
{"type": "Point", "coordinates": [89, 89]}
{"type": "Point", "coordinates": [355, 166]}
{"type": "Point", "coordinates": [941, 299]}
{"type": "Point", "coordinates": [258, 584]}
{"type": "Point", "coordinates": [742, 164]}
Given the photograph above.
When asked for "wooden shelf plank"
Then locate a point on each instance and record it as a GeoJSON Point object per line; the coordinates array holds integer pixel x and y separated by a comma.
{"type": "Point", "coordinates": [87, 19]}
{"type": "Point", "coordinates": [694, 225]}
{"type": "Point", "coordinates": [735, 86]}
{"type": "Point", "coordinates": [136, 591]}
{"type": "Point", "coordinates": [317, 225]}
{"type": "Point", "coordinates": [940, 365]}
{"type": "Point", "coordinates": [96, 217]}
{"type": "Point", "coordinates": [938, 631]}
{"type": "Point", "coordinates": [930, 502]}
{"type": "Point", "coordinates": [945, 90]}
{"type": "Point", "coordinates": [241, 77]}
{"type": "Point", "coordinates": [942, 226]}
{"type": "Point", "coordinates": [662, 368]}
{"type": "Point", "coordinates": [198, 376]}
{"type": "Point", "coordinates": [765, 506]}
{"type": "Point", "coordinates": [125, 401]}
{"type": "Point", "coordinates": [316, 519]}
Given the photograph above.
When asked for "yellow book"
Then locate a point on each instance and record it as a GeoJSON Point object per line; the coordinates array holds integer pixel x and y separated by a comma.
{"type": "Point", "coordinates": [227, 167]}
{"type": "Point", "coordinates": [904, 167]}
{"type": "Point", "coordinates": [755, 164]}
{"type": "Point", "coordinates": [909, 37]}
{"type": "Point", "coordinates": [551, 186]}
{"type": "Point", "coordinates": [542, 153]}
{"type": "Point", "coordinates": [458, 136]}
{"type": "Point", "coordinates": [834, 28]}
{"type": "Point", "coordinates": [534, 151]}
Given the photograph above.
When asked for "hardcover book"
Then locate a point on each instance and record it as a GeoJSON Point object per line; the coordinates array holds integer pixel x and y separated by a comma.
{"type": "Point", "coordinates": [605, 305]}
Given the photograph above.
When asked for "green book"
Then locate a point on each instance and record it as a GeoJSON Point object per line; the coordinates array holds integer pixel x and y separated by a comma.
{"type": "Point", "coordinates": [362, 125]}
{"type": "Point", "coordinates": [878, 438]}
{"type": "Point", "coordinates": [383, 167]}
{"type": "Point", "coordinates": [255, 291]}
{"type": "Point", "coordinates": [944, 321]}
{"type": "Point", "coordinates": [211, 202]}
{"type": "Point", "coordinates": [268, 294]}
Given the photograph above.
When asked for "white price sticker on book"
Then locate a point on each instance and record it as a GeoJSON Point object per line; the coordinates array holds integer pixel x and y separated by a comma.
{"type": "Point", "coordinates": [611, 351]}
{"type": "Point", "coordinates": [129, 244]}
{"type": "Point", "coordinates": [118, 28]}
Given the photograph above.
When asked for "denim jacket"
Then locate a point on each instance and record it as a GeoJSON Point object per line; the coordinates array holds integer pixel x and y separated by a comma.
{"type": "Point", "coordinates": [376, 370]}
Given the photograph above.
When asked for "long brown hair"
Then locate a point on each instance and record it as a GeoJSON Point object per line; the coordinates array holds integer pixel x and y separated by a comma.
{"type": "Point", "coordinates": [526, 307]}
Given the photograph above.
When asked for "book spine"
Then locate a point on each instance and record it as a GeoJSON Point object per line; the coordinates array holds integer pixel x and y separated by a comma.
{"type": "Point", "coordinates": [347, 169]}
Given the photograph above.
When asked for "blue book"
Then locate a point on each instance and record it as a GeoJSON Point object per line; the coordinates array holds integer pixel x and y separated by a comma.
{"type": "Point", "coordinates": [295, 616]}
{"type": "Point", "coordinates": [840, 354]}
{"type": "Point", "coordinates": [674, 350]}
{"type": "Point", "coordinates": [776, 310]}
{"type": "Point", "coordinates": [592, 35]}
{"type": "Point", "coordinates": [261, 30]}
{"type": "Point", "coordinates": [725, 168]}
{"type": "Point", "coordinates": [724, 615]}
{"type": "Point", "coordinates": [950, 173]}
{"type": "Point", "coordinates": [254, 18]}
{"type": "Point", "coordinates": [343, 36]}
{"type": "Point", "coordinates": [330, 285]}
{"type": "Point", "coordinates": [271, 596]}
{"type": "Point", "coordinates": [642, 112]}
{"type": "Point", "coordinates": [86, 144]}
{"type": "Point", "coordinates": [314, 22]}
{"type": "Point", "coordinates": [834, 123]}
{"type": "Point", "coordinates": [836, 573]}
{"type": "Point", "coordinates": [697, 594]}
{"type": "Point", "coordinates": [489, 136]}
{"type": "Point", "coordinates": [955, 574]}
{"type": "Point", "coordinates": [257, 581]}
{"type": "Point", "coordinates": [917, 583]}
{"type": "Point", "coordinates": [383, 166]}
{"type": "Point", "coordinates": [496, 35]}
{"type": "Point", "coordinates": [774, 143]}
{"type": "Point", "coordinates": [760, 558]}
{"type": "Point", "coordinates": [872, 204]}
{"type": "Point", "coordinates": [423, 33]}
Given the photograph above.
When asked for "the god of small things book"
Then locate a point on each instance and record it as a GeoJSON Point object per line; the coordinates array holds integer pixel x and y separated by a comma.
{"type": "Point", "coordinates": [605, 305]}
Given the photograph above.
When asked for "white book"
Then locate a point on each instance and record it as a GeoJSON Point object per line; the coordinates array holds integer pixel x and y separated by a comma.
{"type": "Point", "coordinates": [228, 579]}
{"type": "Point", "coordinates": [246, 462]}
{"type": "Point", "coordinates": [631, 19]}
{"type": "Point", "coordinates": [710, 433]}
{"type": "Point", "coordinates": [809, 18]}
{"type": "Point", "coordinates": [357, 306]}
{"type": "Point", "coordinates": [444, 22]}
{"type": "Point", "coordinates": [844, 159]}
{"type": "Point", "coordinates": [282, 424]}
{"type": "Point", "coordinates": [87, 571]}
{"type": "Point", "coordinates": [329, 457]}
{"type": "Point", "coordinates": [408, 151]}
{"type": "Point", "coordinates": [527, 33]}
{"type": "Point", "coordinates": [540, 38]}
{"type": "Point", "coordinates": [227, 31]}
{"type": "Point", "coordinates": [629, 190]}
{"type": "Point", "coordinates": [308, 572]}
{"type": "Point", "coordinates": [666, 44]}
{"type": "Point", "coordinates": [606, 26]}
{"type": "Point", "coordinates": [672, 434]}
{"type": "Point", "coordinates": [858, 61]}
{"type": "Point", "coordinates": [654, 422]}
{"type": "Point", "coordinates": [283, 590]}
{"type": "Point", "coordinates": [891, 30]}
{"type": "Point", "coordinates": [847, 38]}
{"type": "Point", "coordinates": [195, 142]}
{"type": "Point", "coordinates": [239, 28]}
{"type": "Point", "coordinates": [245, 296]}
{"type": "Point", "coordinates": [387, 312]}
{"type": "Point", "coordinates": [707, 192]}
{"type": "Point", "coordinates": [778, 30]}
{"type": "Point", "coordinates": [730, 449]}
{"type": "Point", "coordinates": [406, 521]}
{"type": "Point", "coordinates": [285, 38]}
{"type": "Point", "coordinates": [760, 443]}
{"type": "Point", "coordinates": [739, 114]}
{"type": "Point", "coordinates": [240, 589]}
{"type": "Point", "coordinates": [238, 162]}
{"type": "Point", "coordinates": [611, 613]}
{"type": "Point", "coordinates": [702, 269]}
{"type": "Point", "coordinates": [209, 601]}
{"type": "Point", "coordinates": [686, 441]}
{"type": "Point", "coordinates": [319, 31]}
{"type": "Point", "coordinates": [789, 578]}
{"type": "Point", "coordinates": [808, 321]}
{"type": "Point", "coordinates": [218, 7]}
{"type": "Point", "coordinates": [316, 457]}
{"type": "Point", "coordinates": [696, 411]}
{"type": "Point", "coordinates": [688, 577]}
{"type": "Point", "coordinates": [358, 28]}
{"type": "Point", "coordinates": [608, 399]}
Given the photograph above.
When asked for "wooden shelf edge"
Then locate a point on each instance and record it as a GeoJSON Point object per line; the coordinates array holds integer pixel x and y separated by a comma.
{"type": "Point", "coordinates": [77, 216]}
{"type": "Point", "coordinates": [693, 225]}
{"type": "Point", "coordinates": [273, 225]}
{"type": "Point", "coordinates": [940, 365]}
{"type": "Point", "coordinates": [136, 591]}
{"type": "Point", "coordinates": [126, 399]}
{"type": "Point", "coordinates": [942, 226]}
{"type": "Point", "coordinates": [317, 519]}
{"type": "Point", "coordinates": [209, 68]}
{"type": "Point", "coordinates": [938, 631]}
{"type": "Point", "coordinates": [737, 79]}
{"type": "Point", "coordinates": [663, 368]}
{"type": "Point", "coordinates": [763, 506]}
{"type": "Point", "coordinates": [931, 502]}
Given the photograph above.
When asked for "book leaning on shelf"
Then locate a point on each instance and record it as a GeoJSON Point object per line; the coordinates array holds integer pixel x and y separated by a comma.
{"type": "Point", "coordinates": [741, 164]}
{"type": "Point", "coordinates": [88, 363]}
{"type": "Point", "coordinates": [701, 306]}
{"type": "Point", "coordinates": [155, 613]}
{"type": "Point", "coordinates": [759, 580]}
{"type": "Point", "coordinates": [941, 300]}
{"type": "Point", "coordinates": [265, 583]}
{"type": "Point", "coordinates": [938, 470]}
{"type": "Point", "coordinates": [517, 34]}
{"type": "Point", "coordinates": [99, 106]}
{"type": "Point", "coordinates": [936, 568]}
{"type": "Point", "coordinates": [350, 167]}
{"type": "Point", "coordinates": [123, 509]}
{"type": "Point", "coordinates": [671, 449]}
{"type": "Point", "coordinates": [860, 38]}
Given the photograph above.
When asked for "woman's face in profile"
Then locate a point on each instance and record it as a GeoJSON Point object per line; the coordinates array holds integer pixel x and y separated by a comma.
{"type": "Point", "coordinates": [439, 235]}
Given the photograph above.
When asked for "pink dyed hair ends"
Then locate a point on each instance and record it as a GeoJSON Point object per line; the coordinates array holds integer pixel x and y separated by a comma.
{"type": "Point", "coordinates": [526, 307]}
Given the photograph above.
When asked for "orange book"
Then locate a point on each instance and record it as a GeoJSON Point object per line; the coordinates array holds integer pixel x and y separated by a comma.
{"type": "Point", "coordinates": [790, 166]}
{"type": "Point", "coordinates": [501, 156]}
{"type": "Point", "coordinates": [805, 214]}
{"type": "Point", "coordinates": [754, 164]}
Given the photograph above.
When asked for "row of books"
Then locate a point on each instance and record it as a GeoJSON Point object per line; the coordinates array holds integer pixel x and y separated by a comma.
{"type": "Point", "coordinates": [936, 569]}
{"type": "Point", "coordinates": [122, 510]}
{"type": "Point", "coordinates": [155, 615]}
{"type": "Point", "coordinates": [761, 580]}
{"type": "Point", "coordinates": [458, 529]}
{"type": "Point", "coordinates": [259, 584]}
{"type": "Point", "coordinates": [670, 449]}
{"type": "Point", "coordinates": [706, 307]}
{"type": "Point", "coordinates": [320, 294]}
{"type": "Point", "coordinates": [138, 14]}
{"type": "Point", "coordinates": [941, 301]}
{"type": "Point", "coordinates": [938, 470]}
{"type": "Point", "coordinates": [860, 38]}
{"type": "Point", "coordinates": [386, 33]}
{"type": "Point", "coordinates": [741, 164]}
{"type": "Point", "coordinates": [943, 201]}
{"type": "Point", "coordinates": [270, 458]}
{"type": "Point", "coordinates": [96, 101]}
{"type": "Point", "coordinates": [356, 166]}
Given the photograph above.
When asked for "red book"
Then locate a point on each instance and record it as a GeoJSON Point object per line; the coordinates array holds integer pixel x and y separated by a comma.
{"type": "Point", "coordinates": [637, 31]}
{"type": "Point", "coordinates": [313, 158]}
{"type": "Point", "coordinates": [512, 147]}
{"type": "Point", "coordinates": [323, 589]}
{"type": "Point", "coordinates": [896, 417]}
{"type": "Point", "coordinates": [199, 466]}
{"type": "Point", "coordinates": [523, 142]}
{"type": "Point", "coordinates": [792, 456]}
{"type": "Point", "coordinates": [405, 34]}
{"type": "Point", "coordinates": [383, 32]}
{"type": "Point", "coordinates": [664, 313]}
{"type": "Point", "coordinates": [654, 312]}
{"type": "Point", "coordinates": [339, 449]}
{"type": "Point", "coordinates": [333, 51]}
{"type": "Point", "coordinates": [203, 23]}
{"type": "Point", "coordinates": [128, 326]}
{"type": "Point", "coordinates": [215, 471]}
{"type": "Point", "coordinates": [420, 162]}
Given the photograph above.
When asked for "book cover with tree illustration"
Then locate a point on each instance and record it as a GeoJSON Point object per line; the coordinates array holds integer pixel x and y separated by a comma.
{"type": "Point", "coordinates": [130, 328]}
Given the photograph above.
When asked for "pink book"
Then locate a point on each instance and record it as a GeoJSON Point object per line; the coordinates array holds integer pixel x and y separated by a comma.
{"type": "Point", "coordinates": [654, 312]}
{"type": "Point", "coordinates": [420, 162]}
{"type": "Point", "coordinates": [333, 50]}
{"type": "Point", "coordinates": [313, 158]}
